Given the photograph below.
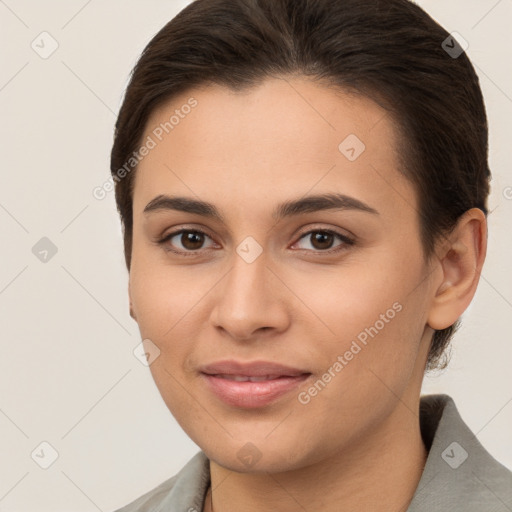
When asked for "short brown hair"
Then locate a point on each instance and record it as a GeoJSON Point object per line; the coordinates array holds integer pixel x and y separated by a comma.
{"type": "Point", "coordinates": [388, 50]}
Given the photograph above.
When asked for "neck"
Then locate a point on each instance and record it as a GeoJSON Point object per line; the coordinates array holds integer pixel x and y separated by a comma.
{"type": "Point", "coordinates": [381, 472]}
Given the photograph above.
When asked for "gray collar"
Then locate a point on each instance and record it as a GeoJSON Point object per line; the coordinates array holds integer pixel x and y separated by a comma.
{"type": "Point", "coordinates": [459, 473]}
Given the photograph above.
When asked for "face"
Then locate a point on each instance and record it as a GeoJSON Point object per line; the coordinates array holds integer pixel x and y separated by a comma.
{"type": "Point", "coordinates": [290, 311]}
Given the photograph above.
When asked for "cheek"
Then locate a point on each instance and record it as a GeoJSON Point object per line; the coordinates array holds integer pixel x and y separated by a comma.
{"type": "Point", "coordinates": [341, 301]}
{"type": "Point", "coordinates": [370, 314]}
{"type": "Point", "coordinates": [163, 296]}
{"type": "Point", "coordinates": [169, 306]}
{"type": "Point", "coordinates": [163, 301]}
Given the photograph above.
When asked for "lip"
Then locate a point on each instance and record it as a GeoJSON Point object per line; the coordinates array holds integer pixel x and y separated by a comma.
{"type": "Point", "coordinates": [246, 394]}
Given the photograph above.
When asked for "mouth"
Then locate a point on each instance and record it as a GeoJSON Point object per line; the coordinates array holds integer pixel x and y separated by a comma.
{"type": "Point", "coordinates": [246, 378]}
{"type": "Point", "coordinates": [251, 385]}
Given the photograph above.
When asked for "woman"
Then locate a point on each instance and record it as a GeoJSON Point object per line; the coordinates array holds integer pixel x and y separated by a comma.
{"type": "Point", "coordinates": [303, 190]}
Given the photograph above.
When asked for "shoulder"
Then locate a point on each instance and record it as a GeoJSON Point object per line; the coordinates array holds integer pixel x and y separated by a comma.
{"type": "Point", "coordinates": [460, 474]}
{"type": "Point", "coordinates": [184, 491]}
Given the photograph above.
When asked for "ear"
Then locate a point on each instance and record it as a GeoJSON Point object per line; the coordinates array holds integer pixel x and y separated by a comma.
{"type": "Point", "coordinates": [132, 313]}
{"type": "Point", "coordinates": [461, 259]}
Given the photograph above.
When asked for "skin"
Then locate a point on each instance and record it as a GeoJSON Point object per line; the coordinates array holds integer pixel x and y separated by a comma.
{"type": "Point", "coordinates": [356, 445]}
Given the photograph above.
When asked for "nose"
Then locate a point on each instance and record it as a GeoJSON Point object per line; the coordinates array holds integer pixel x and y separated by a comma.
{"type": "Point", "coordinates": [250, 301]}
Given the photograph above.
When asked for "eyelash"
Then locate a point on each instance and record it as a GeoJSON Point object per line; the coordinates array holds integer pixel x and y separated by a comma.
{"type": "Point", "coordinates": [346, 241]}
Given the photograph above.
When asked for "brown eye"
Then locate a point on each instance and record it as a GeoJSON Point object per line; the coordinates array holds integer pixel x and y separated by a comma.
{"type": "Point", "coordinates": [192, 240]}
{"type": "Point", "coordinates": [184, 241]}
{"type": "Point", "coordinates": [322, 240]}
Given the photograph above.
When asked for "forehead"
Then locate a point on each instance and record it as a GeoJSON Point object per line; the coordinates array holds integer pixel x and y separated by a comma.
{"type": "Point", "coordinates": [287, 135]}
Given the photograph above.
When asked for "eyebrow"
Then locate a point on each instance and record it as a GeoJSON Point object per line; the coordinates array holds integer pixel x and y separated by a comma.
{"type": "Point", "coordinates": [289, 208]}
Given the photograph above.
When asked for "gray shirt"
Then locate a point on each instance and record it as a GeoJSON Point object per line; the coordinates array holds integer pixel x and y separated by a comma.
{"type": "Point", "coordinates": [459, 475]}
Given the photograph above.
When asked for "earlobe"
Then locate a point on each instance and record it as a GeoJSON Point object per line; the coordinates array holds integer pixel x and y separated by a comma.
{"type": "Point", "coordinates": [461, 264]}
{"type": "Point", "coordinates": [132, 312]}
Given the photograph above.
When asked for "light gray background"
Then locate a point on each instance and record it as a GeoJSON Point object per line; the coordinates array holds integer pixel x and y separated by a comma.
{"type": "Point", "coordinates": [68, 375]}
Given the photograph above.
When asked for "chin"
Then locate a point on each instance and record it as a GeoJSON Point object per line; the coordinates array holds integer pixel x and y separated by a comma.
{"type": "Point", "coordinates": [247, 460]}
{"type": "Point", "coordinates": [260, 455]}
